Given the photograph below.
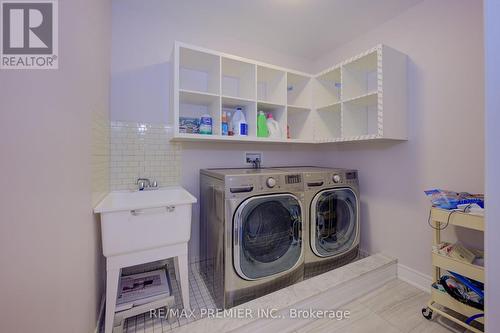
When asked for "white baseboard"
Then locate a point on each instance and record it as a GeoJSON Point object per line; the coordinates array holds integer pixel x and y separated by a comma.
{"type": "Point", "coordinates": [100, 317]}
{"type": "Point", "coordinates": [415, 278]}
{"type": "Point", "coordinates": [409, 275]}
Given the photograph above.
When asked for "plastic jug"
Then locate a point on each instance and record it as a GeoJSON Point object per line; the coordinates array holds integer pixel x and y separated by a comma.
{"type": "Point", "coordinates": [262, 130]}
{"type": "Point", "coordinates": [273, 127]}
{"type": "Point", "coordinates": [240, 126]}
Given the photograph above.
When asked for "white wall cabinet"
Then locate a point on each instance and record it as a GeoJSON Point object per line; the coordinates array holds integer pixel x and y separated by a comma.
{"type": "Point", "coordinates": [362, 98]}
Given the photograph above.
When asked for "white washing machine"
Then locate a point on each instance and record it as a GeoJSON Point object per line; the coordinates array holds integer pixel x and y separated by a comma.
{"type": "Point", "coordinates": [332, 217]}
{"type": "Point", "coordinates": [251, 228]}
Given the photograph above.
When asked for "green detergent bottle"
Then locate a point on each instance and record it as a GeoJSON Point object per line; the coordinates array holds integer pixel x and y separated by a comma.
{"type": "Point", "coordinates": [262, 130]}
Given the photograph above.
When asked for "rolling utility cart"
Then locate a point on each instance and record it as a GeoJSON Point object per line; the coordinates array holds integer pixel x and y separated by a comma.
{"type": "Point", "coordinates": [439, 219]}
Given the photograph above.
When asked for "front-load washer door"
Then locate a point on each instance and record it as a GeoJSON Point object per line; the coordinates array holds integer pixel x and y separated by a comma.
{"type": "Point", "coordinates": [334, 221]}
{"type": "Point", "coordinates": [267, 235]}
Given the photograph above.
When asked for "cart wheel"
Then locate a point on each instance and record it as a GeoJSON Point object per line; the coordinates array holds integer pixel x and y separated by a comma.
{"type": "Point", "coordinates": [427, 313]}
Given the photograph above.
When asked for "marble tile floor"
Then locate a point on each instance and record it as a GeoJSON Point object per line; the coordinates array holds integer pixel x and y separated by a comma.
{"type": "Point", "coordinates": [395, 307]}
{"type": "Point", "coordinates": [200, 298]}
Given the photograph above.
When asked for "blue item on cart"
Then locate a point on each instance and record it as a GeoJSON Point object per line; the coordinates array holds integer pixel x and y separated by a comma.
{"type": "Point", "coordinates": [461, 292]}
{"type": "Point", "coordinates": [450, 200]}
{"type": "Point", "coordinates": [475, 286]}
{"type": "Point", "coordinates": [468, 201]}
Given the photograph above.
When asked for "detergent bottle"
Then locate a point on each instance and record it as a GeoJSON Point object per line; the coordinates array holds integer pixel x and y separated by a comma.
{"type": "Point", "coordinates": [262, 130]}
{"type": "Point", "coordinates": [273, 127]}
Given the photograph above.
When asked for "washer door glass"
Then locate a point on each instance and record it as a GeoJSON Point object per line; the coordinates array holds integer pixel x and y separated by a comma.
{"type": "Point", "coordinates": [267, 235]}
{"type": "Point", "coordinates": [334, 221]}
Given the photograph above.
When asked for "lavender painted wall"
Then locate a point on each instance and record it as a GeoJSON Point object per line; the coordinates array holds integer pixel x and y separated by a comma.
{"type": "Point", "coordinates": [443, 40]}
{"type": "Point", "coordinates": [50, 249]}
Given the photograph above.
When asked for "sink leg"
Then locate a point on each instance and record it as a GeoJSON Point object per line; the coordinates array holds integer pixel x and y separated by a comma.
{"type": "Point", "coordinates": [182, 273]}
{"type": "Point", "coordinates": [112, 278]}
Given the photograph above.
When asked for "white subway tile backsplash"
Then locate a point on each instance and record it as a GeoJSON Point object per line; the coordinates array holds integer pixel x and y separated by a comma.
{"type": "Point", "coordinates": [100, 153]}
{"type": "Point", "coordinates": [143, 150]}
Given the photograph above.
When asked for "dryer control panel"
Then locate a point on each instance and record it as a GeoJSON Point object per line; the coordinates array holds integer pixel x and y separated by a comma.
{"type": "Point", "coordinates": [341, 177]}
{"type": "Point", "coordinates": [351, 177]}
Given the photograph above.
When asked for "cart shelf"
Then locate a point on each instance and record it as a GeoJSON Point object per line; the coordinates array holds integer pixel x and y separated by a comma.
{"type": "Point", "coordinates": [472, 271]}
{"type": "Point", "coordinates": [457, 218]}
{"type": "Point", "coordinates": [449, 302]}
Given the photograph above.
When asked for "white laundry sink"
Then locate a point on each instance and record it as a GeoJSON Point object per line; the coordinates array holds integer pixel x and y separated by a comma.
{"type": "Point", "coordinates": [139, 220]}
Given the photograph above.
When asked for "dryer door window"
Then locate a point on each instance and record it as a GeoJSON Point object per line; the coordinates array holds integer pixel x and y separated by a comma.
{"type": "Point", "coordinates": [267, 235]}
{"type": "Point", "coordinates": [334, 221]}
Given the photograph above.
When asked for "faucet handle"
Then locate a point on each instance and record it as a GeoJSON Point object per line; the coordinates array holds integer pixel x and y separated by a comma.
{"type": "Point", "coordinates": [154, 184]}
{"type": "Point", "coordinates": [143, 180]}
{"type": "Point", "coordinates": [143, 183]}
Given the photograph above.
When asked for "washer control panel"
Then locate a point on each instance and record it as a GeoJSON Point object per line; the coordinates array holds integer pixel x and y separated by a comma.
{"type": "Point", "coordinates": [293, 179]}
{"type": "Point", "coordinates": [281, 182]}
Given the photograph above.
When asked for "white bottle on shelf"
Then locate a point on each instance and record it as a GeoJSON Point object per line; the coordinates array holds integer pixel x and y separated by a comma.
{"type": "Point", "coordinates": [273, 127]}
{"type": "Point", "coordinates": [240, 126]}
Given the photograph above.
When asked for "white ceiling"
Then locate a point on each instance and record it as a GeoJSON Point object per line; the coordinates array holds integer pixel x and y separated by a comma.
{"type": "Point", "coordinates": [303, 28]}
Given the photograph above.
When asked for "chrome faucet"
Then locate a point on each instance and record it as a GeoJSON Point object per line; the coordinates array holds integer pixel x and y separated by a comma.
{"type": "Point", "coordinates": [144, 184]}
{"type": "Point", "coordinates": [256, 163]}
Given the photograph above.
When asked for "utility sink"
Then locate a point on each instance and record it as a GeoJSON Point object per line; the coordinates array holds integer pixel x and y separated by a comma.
{"type": "Point", "coordinates": [140, 220]}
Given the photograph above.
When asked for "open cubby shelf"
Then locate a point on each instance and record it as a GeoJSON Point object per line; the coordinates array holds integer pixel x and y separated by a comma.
{"type": "Point", "coordinates": [362, 98]}
{"type": "Point", "coordinates": [279, 114]}
{"type": "Point", "coordinates": [329, 123]}
{"type": "Point", "coordinates": [199, 71]}
{"type": "Point", "coordinates": [328, 87]}
{"type": "Point", "coordinates": [248, 107]}
{"type": "Point", "coordinates": [271, 85]}
{"type": "Point", "coordinates": [299, 89]}
{"type": "Point", "coordinates": [194, 105]}
{"type": "Point", "coordinates": [299, 123]}
{"type": "Point", "coordinates": [237, 78]}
